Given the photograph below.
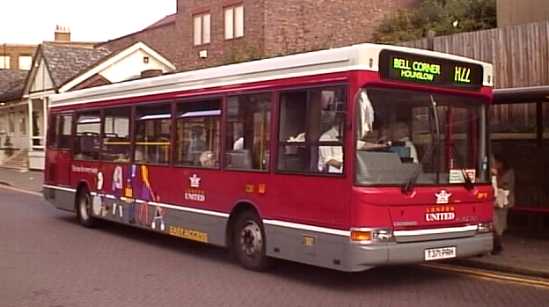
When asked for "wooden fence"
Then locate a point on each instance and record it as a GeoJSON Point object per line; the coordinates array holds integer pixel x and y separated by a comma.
{"type": "Point", "coordinates": [520, 54]}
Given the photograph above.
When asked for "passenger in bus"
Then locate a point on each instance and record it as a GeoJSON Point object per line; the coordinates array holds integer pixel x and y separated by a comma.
{"type": "Point", "coordinates": [330, 158]}
{"type": "Point", "coordinates": [196, 146]}
{"type": "Point", "coordinates": [239, 144]}
{"type": "Point", "coordinates": [401, 133]}
{"type": "Point", "coordinates": [375, 140]}
{"type": "Point", "coordinates": [207, 159]}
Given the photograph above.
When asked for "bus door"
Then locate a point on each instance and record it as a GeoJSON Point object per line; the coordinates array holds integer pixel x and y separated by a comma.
{"type": "Point", "coordinates": [59, 153]}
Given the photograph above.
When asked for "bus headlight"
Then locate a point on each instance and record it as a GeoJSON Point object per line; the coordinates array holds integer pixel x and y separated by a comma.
{"type": "Point", "coordinates": [484, 227]}
{"type": "Point", "coordinates": [371, 235]}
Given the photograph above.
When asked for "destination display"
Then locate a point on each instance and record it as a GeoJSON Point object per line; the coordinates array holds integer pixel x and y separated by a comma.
{"type": "Point", "coordinates": [402, 66]}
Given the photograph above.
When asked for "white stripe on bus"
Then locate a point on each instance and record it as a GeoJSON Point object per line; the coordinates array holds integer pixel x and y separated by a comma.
{"type": "Point", "coordinates": [332, 231]}
{"type": "Point", "coordinates": [305, 227]}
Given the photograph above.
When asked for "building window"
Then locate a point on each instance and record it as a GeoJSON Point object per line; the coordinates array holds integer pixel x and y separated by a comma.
{"type": "Point", "coordinates": [4, 62]}
{"type": "Point", "coordinates": [25, 62]}
{"type": "Point", "coordinates": [248, 133]}
{"type": "Point", "coordinates": [198, 130]}
{"type": "Point", "coordinates": [116, 135]}
{"type": "Point", "coordinates": [311, 127]}
{"type": "Point", "coordinates": [234, 22]}
{"type": "Point", "coordinates": [87, 140]}
{"type": "Point", "coordinates": [201, 29]}
{"type": "Point", "coordinates": [152, 134]}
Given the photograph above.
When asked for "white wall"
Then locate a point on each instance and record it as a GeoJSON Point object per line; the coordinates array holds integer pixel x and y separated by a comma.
{"type": "Point", "coordinates": [18, 136]}
{"type": "Point", "coordinates": [132, 66]}
{"type": "Point", "coordinates": [42, 80]}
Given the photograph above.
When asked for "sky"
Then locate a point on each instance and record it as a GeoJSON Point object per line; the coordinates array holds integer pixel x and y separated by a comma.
{"type": "Point", "coordinates": [34, 21]}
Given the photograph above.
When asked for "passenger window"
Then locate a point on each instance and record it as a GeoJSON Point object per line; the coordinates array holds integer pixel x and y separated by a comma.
{"type": "Point", "coordinates": [116, 135]}
{"type": "Point", "coordinates": [87, 140]}
{"type": "Point", "coordinates": [51, 141]}
{"type": "Point", "coordinates": [198, 128]}
{"type": "Point", "coordinates": [64, 131]}
{"type": "Point", "coordinates": [311, 131]}
{"type": "Point", "coordinates": [152, 134]}
{"type": "Point", "coordinates": [248, 132]}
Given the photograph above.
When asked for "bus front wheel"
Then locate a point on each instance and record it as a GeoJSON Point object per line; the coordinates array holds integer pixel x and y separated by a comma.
{"type": "Point", "coordinates": [84, 209]}
{"type": "Point", "coordinates": [249, 242]}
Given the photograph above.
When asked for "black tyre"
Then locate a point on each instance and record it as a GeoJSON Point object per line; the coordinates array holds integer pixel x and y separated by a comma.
{"type": "Point", "coordinates": [84, 209]}
{"type": "Point", "coordinates": [249, 242]}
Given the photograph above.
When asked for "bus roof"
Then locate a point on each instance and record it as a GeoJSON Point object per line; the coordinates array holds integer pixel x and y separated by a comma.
{"type": "Point", "coordinates": [356, 57]}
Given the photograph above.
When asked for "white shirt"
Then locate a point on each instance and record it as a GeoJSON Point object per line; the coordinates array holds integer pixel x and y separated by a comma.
{"type": "Point", "coordinates": [327, 153]}
{"type": "Point", "coordinates": [238, 144]}
{"type": "Point", "coordinates": [413, 151]}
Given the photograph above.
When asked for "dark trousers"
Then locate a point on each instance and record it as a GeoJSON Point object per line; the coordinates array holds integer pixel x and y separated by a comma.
{"type": "Point", "coordinates": [498, 245]}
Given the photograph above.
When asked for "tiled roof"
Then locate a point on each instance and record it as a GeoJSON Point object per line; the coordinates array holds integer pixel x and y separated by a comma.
{"type": "Point", "coordinates": [11, 84]}
{"type": "Point", "coordinates": [164, 21]}
{"type": "Point", "coordinates": [65, 63]}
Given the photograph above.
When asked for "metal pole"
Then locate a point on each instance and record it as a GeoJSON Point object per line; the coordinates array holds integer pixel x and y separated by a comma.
{"type": "Point", "coordinates": [30, 134]}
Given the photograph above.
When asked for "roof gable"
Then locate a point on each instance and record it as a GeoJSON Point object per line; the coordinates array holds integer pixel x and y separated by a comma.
{"type": "Point", "coordinates": [65, 62]}
{"type": "Point", "coordinates": [40, 77]}
{"type": "Point", "coordinates": [121, 66]}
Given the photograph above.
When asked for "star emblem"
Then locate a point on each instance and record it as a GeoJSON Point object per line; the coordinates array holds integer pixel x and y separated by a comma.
{"type": "Point", "coordinates": [443, 197]}
{"type": "Point", "coordinates": [195, 181]}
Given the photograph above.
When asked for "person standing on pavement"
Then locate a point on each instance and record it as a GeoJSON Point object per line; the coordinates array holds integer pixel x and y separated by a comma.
{"type": "Point", "coordinates": [504, 188]}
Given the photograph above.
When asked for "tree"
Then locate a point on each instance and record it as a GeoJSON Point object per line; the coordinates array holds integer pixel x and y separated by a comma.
{"type": "Point", "coordinates": [442, 16]}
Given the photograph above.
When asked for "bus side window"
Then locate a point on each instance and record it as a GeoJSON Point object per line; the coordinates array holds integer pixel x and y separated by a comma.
{"type": "Point", "coordinates": [153, 133]}
{"type": "Point", "coordinates": [198, 134]}
{"type": "Point", "coordinates": [64, 131]}
{"type": "Point", "coordinates": [87, 139]}
{"type": "Point", "coordinates": [51, 141]}
{"type": "Point", "coordinates": [248, 135]}
{"type": "Point", "coordinates": [311, 130]}
{"type": "Point", "coordinates": [116, 135]}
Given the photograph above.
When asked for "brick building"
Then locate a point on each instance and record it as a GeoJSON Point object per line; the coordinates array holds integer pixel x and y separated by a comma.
{"type": "Point", "coordinates": [16, 56]}
{"type": "Point", "coordinates": [216, 32]}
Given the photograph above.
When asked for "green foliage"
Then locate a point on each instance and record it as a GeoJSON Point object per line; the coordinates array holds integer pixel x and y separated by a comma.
{"type": "Point", "coordinates": [442, 16]}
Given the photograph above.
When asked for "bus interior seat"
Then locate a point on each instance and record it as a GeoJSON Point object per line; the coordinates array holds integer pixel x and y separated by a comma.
{"type": "Point", "coordinates": [240, 159]}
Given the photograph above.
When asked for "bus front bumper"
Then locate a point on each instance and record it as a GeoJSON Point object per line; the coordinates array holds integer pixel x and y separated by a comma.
{"type": "Point", "coordinates": [365, 256]}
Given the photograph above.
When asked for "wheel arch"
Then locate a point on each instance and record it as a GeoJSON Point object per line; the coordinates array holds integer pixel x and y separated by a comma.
{"type": "Point", "coordinates": [82, 186]}
{"type": "Point", "coordinates": [239, 207]}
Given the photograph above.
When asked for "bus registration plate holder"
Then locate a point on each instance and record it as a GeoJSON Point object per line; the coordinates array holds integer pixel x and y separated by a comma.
{"type": "Point", "coordinates": [440, 253]}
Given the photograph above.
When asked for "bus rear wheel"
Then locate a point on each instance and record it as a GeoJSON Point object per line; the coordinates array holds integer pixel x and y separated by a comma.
{"type": "Point", "coordinates": [249, 242]}
{"type": "Point", "coordinates": [84, 209]}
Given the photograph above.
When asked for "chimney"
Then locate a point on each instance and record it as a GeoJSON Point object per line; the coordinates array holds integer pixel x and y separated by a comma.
{"type": "Point", "coordinates": [62, 34]}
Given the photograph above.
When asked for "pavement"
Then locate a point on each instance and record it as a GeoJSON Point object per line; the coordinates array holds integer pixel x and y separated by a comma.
{"type": "Point", "coordinates": [523, 254]}
{"type": "Point", "coordinates": [22, 179]}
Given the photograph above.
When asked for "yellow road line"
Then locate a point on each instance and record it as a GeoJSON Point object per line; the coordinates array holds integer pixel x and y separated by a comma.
{"type": "Point", "coordinates": [491, 275]}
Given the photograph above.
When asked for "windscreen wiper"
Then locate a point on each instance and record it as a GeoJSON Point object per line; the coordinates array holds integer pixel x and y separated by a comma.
{"type": "Point", "coordinates": [408, 186]}
{"type": "Point", "coordinates": [467, 181]}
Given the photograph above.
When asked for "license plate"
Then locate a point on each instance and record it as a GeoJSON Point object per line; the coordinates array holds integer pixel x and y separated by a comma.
{"type": "Point", "coordinates": [440, 253]}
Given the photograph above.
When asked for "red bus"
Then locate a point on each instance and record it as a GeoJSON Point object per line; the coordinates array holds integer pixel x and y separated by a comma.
{"type": "Point", "coordinates": [346, 158]}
